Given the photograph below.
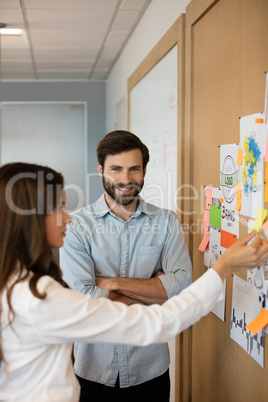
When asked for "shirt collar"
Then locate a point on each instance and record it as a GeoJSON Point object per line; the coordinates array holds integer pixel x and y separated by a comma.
{"type": "Point", "coordinates": [100, 208]}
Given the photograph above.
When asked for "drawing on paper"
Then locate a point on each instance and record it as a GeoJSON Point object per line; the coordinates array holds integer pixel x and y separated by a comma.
{"type": "Point", "coordinates": [252, 156]}
{"type": "Point", "coordinates": [246, 305]}
{"type": "Point", "coordinates": [229, 176]}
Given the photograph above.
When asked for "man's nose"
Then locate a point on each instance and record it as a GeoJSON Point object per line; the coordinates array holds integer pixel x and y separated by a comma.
{"type": "Point", "coordinates": [125, 177]}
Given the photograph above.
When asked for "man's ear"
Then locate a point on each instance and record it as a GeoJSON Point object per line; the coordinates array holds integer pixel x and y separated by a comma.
{"type": "Point", "coordinates": [100, 170]}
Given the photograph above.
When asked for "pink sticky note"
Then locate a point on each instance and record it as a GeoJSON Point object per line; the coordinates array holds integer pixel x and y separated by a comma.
{"type": "Point", "coordinates": [204, 242]}
{"type": "Point", "coordinates": [265, 225]}
{"type": "Point", "coordinates": [206, 220]}
{"type": "Point", "coordinates": [209, 198]}
{"type": "Point", "coordinates": [266, 152]}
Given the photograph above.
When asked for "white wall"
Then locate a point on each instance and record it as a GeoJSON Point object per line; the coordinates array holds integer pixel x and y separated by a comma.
{"type": "Point", "coordinates": [93, 93]}
{"type": "Point", "coordinates": [155, 22]}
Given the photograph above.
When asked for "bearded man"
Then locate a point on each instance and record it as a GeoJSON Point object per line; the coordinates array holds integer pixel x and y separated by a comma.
{"type": "Point", "coordinates": [130, 251]}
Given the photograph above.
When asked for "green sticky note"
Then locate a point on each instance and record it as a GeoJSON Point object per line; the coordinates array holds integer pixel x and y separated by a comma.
{"type": "Point", "coordinates": [215, 216]}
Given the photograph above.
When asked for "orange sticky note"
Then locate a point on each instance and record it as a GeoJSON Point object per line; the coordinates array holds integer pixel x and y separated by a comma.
{"type": "Point", "coordinates": [260, 121]}
{"type": "Point", "coordinates": [227, 239]}
{"type": "Point", "coordinates": [239, 156]}
{"type": "Point", "coordinates": [238, 204]}
{"type": "Point", "coordinates": [209, 198]}
{"type": "Point", "coordinates": [204, 242]}
{"type": "Point", "coordinates": [238, 196]}
{"type": "Point", "coordinates": [238, 189]}
{"type": "Point", "coordinates": [259, 322]}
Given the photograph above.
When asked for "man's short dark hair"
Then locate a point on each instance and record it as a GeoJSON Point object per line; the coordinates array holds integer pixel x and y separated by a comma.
{"type": "Point", "coordinates": [119, 141]}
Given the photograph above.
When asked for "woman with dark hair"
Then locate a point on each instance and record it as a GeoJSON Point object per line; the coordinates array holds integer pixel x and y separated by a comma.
{"type": "Point", "coordinates": [40, 317]}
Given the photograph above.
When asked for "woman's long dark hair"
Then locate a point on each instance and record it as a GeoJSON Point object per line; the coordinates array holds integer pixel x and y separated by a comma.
{"type": "Point", "coordinates": [28, 193]}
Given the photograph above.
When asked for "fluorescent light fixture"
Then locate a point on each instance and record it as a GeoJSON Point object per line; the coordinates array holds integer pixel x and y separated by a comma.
{"type": "Point", "coordinates": [9, 31]}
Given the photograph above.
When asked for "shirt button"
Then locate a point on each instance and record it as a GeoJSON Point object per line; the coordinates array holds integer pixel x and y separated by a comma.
{"type": "Point", "coordinates": [125, 247]}
{"type": "Point", "coordinates": [124, 272]}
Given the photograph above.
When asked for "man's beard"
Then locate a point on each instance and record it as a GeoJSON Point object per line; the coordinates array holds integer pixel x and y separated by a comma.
{"type": "Point", "coordinates": [122, 199]}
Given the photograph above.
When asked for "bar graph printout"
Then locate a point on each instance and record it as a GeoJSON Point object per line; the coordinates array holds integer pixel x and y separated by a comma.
{"type": "Point", "coordinates": [246, 305]}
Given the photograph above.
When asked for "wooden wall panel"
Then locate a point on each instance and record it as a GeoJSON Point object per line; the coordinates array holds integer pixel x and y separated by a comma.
{"type": "Point", "coordinates": [226, 57]}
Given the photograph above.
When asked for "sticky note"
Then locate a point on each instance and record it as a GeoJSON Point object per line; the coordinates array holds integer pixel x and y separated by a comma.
{"type": "Point", "coordinates": [204, 242]}
{"type": "Point", "coordinates": [265, 226]}
{"type": "Point", "coordinates": [238, 204]}
{"type": "Point", "coordinates": [215, 216]}
{"type": "Point", "coordinates": [260, 121]}
{"type": "Point", "coordinates": [261, 216]}
{"type": "Point", "coordinates": [209, 198]}
{"type": "Point", "coordinates": [266, 151]}
{"type": "Point", "coordinates": [238, 196]}
{"type": "Point", "coordinates": [266, 192]}
{"type": "Point", "coordinates": [238, 189]}
{"type": "Point", "coordinates": [259, 322]}
{"type": "Point", "coordinates": [239, 156]}
{"type": "Point", "coordinates": [266, 171]}
{"type": "Point", "coordinates": [227, 239]}
{"type": "Point", "coordinates": [206, 221]}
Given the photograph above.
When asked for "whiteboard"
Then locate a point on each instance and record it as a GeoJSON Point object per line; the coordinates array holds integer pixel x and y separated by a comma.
{"type": "Point", "coordinates": [153, 118]}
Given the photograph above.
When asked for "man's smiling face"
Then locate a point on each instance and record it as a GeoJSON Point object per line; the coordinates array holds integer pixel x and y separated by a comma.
{"type": "Point", "coordinates": [123, 176]}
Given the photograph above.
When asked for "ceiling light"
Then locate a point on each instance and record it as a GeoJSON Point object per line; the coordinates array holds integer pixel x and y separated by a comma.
{"type": "Point", "coordinates": [9, 31]}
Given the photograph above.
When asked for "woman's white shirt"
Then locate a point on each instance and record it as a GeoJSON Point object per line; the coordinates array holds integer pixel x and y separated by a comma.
{"type": "Point", "coordinates": [37, 346]}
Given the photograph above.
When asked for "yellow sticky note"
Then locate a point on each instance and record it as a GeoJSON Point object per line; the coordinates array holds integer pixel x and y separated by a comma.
{"type": "Point", "coordinates": [261, 216]}
{"type": "Point", "coordinates": [266, 192]}
{"type": "Point", "coordinates": [259, 322]}
{"type": "Point", "coordinates": [266, 171]}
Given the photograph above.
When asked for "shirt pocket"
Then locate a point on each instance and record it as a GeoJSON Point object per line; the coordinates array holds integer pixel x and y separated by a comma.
{"type": "Point", "coordinates": [148, 260]}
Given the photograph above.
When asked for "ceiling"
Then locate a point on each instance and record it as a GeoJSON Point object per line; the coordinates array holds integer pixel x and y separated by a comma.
{"type": "Point", "coordinates": [65, 39]}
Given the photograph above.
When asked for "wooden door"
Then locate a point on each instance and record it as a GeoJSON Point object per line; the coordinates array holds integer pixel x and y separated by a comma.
{"type": "Point", "coordinates": [226, 60]}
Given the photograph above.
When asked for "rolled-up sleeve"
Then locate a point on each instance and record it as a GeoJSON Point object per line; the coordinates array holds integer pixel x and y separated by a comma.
{"type": "Point", "coordinates": [175, 259]}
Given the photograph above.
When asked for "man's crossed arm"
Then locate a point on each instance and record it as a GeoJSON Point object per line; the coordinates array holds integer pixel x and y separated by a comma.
{"type": "Point", "coordinates": [132, 290]}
